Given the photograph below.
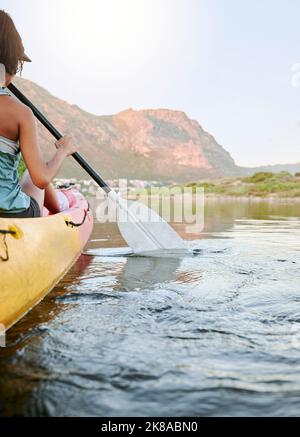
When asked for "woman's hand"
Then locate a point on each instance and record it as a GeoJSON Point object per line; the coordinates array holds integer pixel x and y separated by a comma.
{"type": "Point", "coordinates": [67, 145]}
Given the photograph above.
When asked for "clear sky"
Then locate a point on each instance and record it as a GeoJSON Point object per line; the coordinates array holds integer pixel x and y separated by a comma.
{"type": "Point", "coordinates": [226, 63]}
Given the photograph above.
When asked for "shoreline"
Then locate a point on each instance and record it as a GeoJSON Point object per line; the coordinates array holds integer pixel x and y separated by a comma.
{"type": "Point", "coordinates": [252, 198]}
{"type": "Point", "coordinates": [220, 197]}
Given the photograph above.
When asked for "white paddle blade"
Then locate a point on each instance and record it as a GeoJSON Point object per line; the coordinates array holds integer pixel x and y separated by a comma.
{"type": "Point", "coordinates": [145, 231]}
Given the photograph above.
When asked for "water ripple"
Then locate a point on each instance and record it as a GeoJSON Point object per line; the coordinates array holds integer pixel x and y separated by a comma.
{"type": "Point", "coordinates": [216, 334]}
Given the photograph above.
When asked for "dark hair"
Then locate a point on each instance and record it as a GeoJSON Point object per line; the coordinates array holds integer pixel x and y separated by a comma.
{"type": "Point", "coordinates": [11, 46]}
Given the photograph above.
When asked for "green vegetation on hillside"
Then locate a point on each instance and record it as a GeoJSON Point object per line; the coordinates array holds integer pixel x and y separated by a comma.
{"type": "Point", "coordinates": [262, 184]}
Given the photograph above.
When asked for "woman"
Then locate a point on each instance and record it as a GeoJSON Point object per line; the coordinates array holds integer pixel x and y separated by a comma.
{"type": "Point", "coordinates": [18, 133]}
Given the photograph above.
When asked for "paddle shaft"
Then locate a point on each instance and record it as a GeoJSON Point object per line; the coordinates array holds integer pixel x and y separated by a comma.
{"type": "Point", "coordinates": [49, 126]}
{"type": "Point", "coordinates": [140, 235]}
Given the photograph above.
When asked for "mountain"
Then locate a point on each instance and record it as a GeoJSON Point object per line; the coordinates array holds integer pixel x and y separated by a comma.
{"type": "Point", "coordinates": [291, 168]}
{"type": "Point", "coordinates": [154, 144]}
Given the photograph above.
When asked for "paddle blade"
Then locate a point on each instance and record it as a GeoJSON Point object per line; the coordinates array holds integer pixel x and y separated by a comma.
{"type": "Point", "coordinates": [145, 231]}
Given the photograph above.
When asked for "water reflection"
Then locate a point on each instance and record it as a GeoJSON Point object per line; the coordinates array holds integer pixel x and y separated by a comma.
{"type": "Point", "coordinates": [220, 215]}
{"type": "Point", "coordinates": [141, 272]}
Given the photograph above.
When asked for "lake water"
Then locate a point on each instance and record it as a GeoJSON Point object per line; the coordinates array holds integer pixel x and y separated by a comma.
{"type": "Point", "coordinates": [216, 334]}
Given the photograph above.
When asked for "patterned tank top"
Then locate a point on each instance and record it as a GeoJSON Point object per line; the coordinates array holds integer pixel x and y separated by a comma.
{"type": "Point", "coordinates": [12, 198]}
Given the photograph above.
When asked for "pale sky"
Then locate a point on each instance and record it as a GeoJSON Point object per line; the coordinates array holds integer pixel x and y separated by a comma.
{"type": "Point", "coordinates": [225, 63]}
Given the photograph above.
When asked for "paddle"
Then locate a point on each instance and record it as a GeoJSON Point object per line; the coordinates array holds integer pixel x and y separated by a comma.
{"type": "Point", "coordinates": [143, 230]}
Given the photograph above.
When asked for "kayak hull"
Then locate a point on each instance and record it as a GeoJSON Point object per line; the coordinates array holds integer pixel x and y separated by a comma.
{"type": "Point", "coordinates": [40, 252]}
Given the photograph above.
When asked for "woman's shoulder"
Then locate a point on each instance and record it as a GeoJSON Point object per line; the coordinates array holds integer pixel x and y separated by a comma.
{"type": "Point", "coordinates": [19, 107]}
{"type": "Point", "coordinates": [13, 116]}
{"type": "Point", "coordinates": [21, 112]}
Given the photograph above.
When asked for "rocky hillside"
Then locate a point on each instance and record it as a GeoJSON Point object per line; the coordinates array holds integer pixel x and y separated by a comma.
{"type": "Point", "coordinates": [156, 144]}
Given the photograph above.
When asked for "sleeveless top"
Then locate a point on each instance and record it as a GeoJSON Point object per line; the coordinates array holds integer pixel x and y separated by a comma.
{"type": "Point", "coordinates": [12, 198]}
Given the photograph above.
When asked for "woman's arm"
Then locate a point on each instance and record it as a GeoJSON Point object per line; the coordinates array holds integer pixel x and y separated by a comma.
{"type": "Point", "coordinates": [41, 172]}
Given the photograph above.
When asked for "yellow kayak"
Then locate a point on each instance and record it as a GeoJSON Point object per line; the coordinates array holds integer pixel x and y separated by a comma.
{"type": "Point", "coordinates": [36, 253]}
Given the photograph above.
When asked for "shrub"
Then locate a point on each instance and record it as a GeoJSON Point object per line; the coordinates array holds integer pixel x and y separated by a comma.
{"type": "Point", "coordinates": [284, 174]}
{"type": "Point", "coordinates": [259, 177]}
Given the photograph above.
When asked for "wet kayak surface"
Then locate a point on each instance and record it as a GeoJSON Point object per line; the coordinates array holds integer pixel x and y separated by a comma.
{"type": "Point", "coordinates": [217, 334]}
